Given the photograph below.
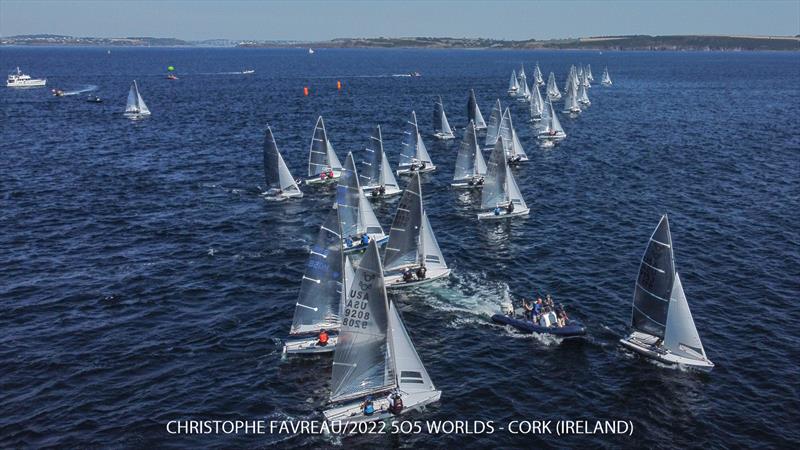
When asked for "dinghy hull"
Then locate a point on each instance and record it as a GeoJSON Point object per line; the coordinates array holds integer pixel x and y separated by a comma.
{"type": "Point", "coordinates": [503, 214]}
{"type": "Point", "coordinates": [395, 280]}
{"type": "Point", "coordinates": [309, 346]}
{"type": "Point", "coordinates": [318, 180]}
{"type": "Point", "coordinates": [444, 136]}
{"type": "Point", "coordinates": [646, 345]}
{"type": "Point", "coordinates": [573, 329]}
{"type": "Point", "coordinates": [352, 413]}
{"type": "Point", "coordinates": [358, 248]}
{"type": "Point", "coordinates": [391, 191]}
{"type": "Point", "coordinates": [465, 185]}
{"type": "Point", "coordinates": [409, 172]}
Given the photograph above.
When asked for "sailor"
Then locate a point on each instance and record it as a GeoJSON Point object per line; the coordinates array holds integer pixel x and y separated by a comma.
{"type": "Point", "coordinates": [368, 406]}
{"type": "Point", "coordinates": [348, 241]}
{"type": "Point", "coordinates": [510, 207]}
{"type": "Point", "coordinates": [562, 315]}
{"type": "Point", "coordinates": [480, 181]}
{"type": "Point", "coordinates": [549, 301]}
{"type": "Point", "coordinates": [537, 307]}
{"type": "Point", "coordinates": [395, 402]}
{"type": "Point", "coordinates": [382, 189]}
{"type": "Point", "coordinates": [375, 192]}
{"type": "Point", "coordinates": [322, 175]}
{"type": "Point", "coordinates": [365, 239]}
{"type": "Point", "coordinates": [330, 173]}
{"type": "Point", "coordinates": [407, 275]}
{"type": "Point", "coordinates": [322, 340]}
{"type": "Point", "coordinates": [528, 309]}
{"type": "Point", "coordinates": [496, 210]}
{"type": "Point", "coordinates": [422, 165]}
{"type": "Point", "coordinates": [471, 182]}
{"type": "Point", "coordinates": [421, 272]}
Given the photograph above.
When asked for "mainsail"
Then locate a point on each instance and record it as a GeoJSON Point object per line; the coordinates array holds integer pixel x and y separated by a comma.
{"type": "Point", "coordinates": [440, 124]}
{"type": "Point", "coordinates": [135, 104]}
{"type": "Point", "coordinates": [363, 362]}
{"type": "Point", "coordinates": [276, 173]}
{"type": "Point", "coordinates": [552, 89]}
{"type": "Point", "coordinates": [321, 156]}
{"type": "Point", "coordinates": [583, 96]}
{"type": "Point", "coordinates": [537, 75]}
{"type": "Point", "coordinates": [413, 147]}
{"type": "Point", "coordinates": [651, 295]}
{"type": "Point", "coordinates": [321, 288]}
{"type": "Point", "coordinates": [571, 102]}
{"type": "Point", "coordinates": [588, 73]}
{"type": "Point", "coordinates": [469, 162]}
{"type": "Point", "coordinates": [606, 80]}
{"type": "Point", "coordinates": [509, 135]}
{"type": "Point", "coordinates": [537, 104]}
{"type": "Point", "coordinates": [356, 216]}
{"type": "Point", "coordinates": [474, 112]}
{"type": "Point", "coordinates": [513, 84]}
{"type": "Point", "coordinates": [493, 129]}
{"type": "Point", "coordinates": [551, 126]}
{"type": "Point", "coordinates": [494, 190]}
{"type": "Point", "coordinates": [371, 163]}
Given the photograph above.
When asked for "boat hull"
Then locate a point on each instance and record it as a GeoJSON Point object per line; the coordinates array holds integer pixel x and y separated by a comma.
{"type": "Point", "coordinates": [503, 214]}
{"type": "Point", "coordinates": [26, 84]}
{"type": "Point", "coordinates": [573, 329]}
{"type": "Point", "coordinates": [645, 345]}
{"type": "Point", "coordinates": [318, 180]}
{"type": "Point", "coordinates": [352, 413]}
{"type": "Point", "coordinates": [391, 191]}
{"type": "Point", "coordinates": [358, 248]}
{"type": "Point", "coordinates": [395, 280]}
{"type": "Point", "coordinates": [307, 346]}
{"type": "Point", "coordinates": [444, 136]}
{"type": "Point", "coordinates": [465, 185]}
{"type": "Point", "coordinates": [409, 172]}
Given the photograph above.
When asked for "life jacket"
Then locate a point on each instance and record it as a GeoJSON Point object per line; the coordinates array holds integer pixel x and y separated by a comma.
{"type": "Point", "coordinates": [397, 407]}
{"type": "Point", "coordinates": [369, 408]}
{"type": "Point", "coordinates": [323, 338]}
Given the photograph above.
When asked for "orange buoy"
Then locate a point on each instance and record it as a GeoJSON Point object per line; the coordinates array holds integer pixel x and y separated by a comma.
{"type": "Point", "coordinates": [339, 85]}
{"type": "Point", "coordinates": [305, 91]}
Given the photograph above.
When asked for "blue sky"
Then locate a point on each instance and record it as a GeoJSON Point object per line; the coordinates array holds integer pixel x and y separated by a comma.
{"type": "Point", "coordinates": [322, 20]}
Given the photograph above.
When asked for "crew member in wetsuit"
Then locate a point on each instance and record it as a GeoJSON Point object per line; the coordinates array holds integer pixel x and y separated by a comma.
{"type": "Point", "coordinates": [395, 402]}
{"type": "Point", "coordinates": [480, 181]}
{"type": "Point", "coordinates": [407, 275]}
{"type": "Point", "coordinates": [382, 190]}
{"type": "Point", "coordinates": [322, 339]}
{"type": "Point", "coordinates": [365, 239]}
{"type": "Point", "coordinates": [421, 272]}
{"type": "Point", "coordinates": [368, 406]}
{"type": "Point", "coordinates": [510, 207]}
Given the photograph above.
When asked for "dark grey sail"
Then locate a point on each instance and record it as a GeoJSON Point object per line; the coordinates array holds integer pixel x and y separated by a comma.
{"type": "Point", "coordinates": [651, 296]}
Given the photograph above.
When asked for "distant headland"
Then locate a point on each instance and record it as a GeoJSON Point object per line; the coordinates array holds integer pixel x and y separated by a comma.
{"type": "Point", "coordinates": [633, 42]}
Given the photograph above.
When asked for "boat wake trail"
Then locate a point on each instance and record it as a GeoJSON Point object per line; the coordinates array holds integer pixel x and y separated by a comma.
{"type": "Point", "coordinates": [88, 88]}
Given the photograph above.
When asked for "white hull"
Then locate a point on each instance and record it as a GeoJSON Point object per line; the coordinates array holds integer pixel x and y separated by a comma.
{"type": "Point", "coordinates": [391, 191]}
{"type": "Point", "coordinates": [503, 214]}
{"type": "Point", "coordinates": [309, 346]}
{"type": "Point", "coordinates": [132, 115]}
{"type": "Point", "coordinates": [352, 412]}
{"type": "Point", "coordinates": [428, 168]}
{"type": "Point", "coordinates": [380, 239]}
{"type": "Point", "coordinates": [395, 280]}
{"type": "Point", "coordinates": [26, 83]}
{"type": "Point", "coordinates": [465, 185]}
{"type": "Point", "coordinates": [281, 197]}
{"type": "Point", "coordinates": [557, 136]}
{"type": "Point", "coordinates": [318, 180]}
{"type": "Point", "coordinates": [444, 136]}
{"type": "Point", "coordinates": [645, 345]}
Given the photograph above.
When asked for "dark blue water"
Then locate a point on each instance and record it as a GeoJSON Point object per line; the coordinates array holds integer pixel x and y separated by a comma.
{"type": "Point", "coordinates": [143, 279]}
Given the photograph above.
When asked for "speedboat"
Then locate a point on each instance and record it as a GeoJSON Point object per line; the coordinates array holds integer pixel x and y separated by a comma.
{"type": "Point", "coordinates": [58, 92]}
{"type": "Point", "coordinates": [94, 99]}
{"type": "Point", "coordinates": [19, 79]}
{"type": "Point", "coordinates": [172, 77]}
{"type": "Point", "coordinates": [546, 324]}
{"type": "Point", "coordinates": [248, 72]}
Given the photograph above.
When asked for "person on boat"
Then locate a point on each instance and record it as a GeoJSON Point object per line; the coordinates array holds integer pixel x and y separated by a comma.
{"type": "Point", "coordinates": [395, 402]}
{"type": "Point", "coordinates": [375, 192]}
{"type": "Point", "coordinates": [497, 210]}
{"type": "Point", "coordinates": [348, 241]}
{"type": "Point", "coordinates": [330, 173]}
{"type": "Point", "coordinates": [528, 309]}
{"type": "Point", "coordinates": [322, 339]}
{"type": "Point", "coordinates": [407, 275]}
{"type": "Point", "coordinates": [368, 406]}
{"type": "Point", "coordinates": [480, 181]}
{"type": "Point", "coordinates": [365, 239]}
{"type": "Point", "coordinates": [422, 165]}
{"type": "Point", "coordinates": [562, 315]}
{"type": "Point", "coordinates": [510, 207]}
{"type": "Point", "coordinates": [548, 301]}
{"type": "Point", "coordinates": [421, 272]}
{"type": "Point", "coordinates": [382, 189]}
{"type": "Point", "coordinates": [322, 176]}
{"type": "Point", "coordinates": [537, 307]}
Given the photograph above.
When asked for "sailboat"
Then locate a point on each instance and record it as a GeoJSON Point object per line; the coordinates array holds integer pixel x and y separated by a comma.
{"type": "Point", "coordinates": [572, 78]}
{"type": "Point", "coordinates": [514, 151]}
{"type": "Point", "coordinates": [412, 256]}
{"type": "Point", "coordinates": [470, 166]}
{"type": "Point", "coordinates": [319, 303]}
{"type": "Point", "coordinates": [537, 104]}
{"type": "Point", "coordinates": [583, 94]}
{"type": "Point", "coordinates": [550, 126]}
{"type": "Point", "coordinates": [310, 51]}
{"type": "Point", "coordinates": [135, 108]}
{"type": "Point", "coordinates": [588, 73]}
{"type": "Point", "coordinates": [571, 105]}
{"type": "Point", "coordinates": [552, 90]}
{"type": "Point", "coordinates": [663, 328]}
{"type": "Point", "coordinates": [323, 164]}
{"type": "Point", "coordinates": [606, 80]}
{"type": "Point", "coordinates": [537, 75]}
{"type": "Point", "coordinates": [441, 127]}
{"type": "Point", "coordinates": [356, 217]}
{"type": "Point", "coordinates": [513, 84]}
{"type": "Point", "coordinates": [493, 129]}
{"type": "Point", "coordinates": [414, 155]}
{"type": "Point", "coordinates": [474, 113]}
{"type": "Point", "coordinates": [523, 94]}
{"type": "Point", "coordinates": [376, 174]}
{"type": "Point", "coordinates": [585, 79]}
{"type": "Point", "coordinates": [280, 183]}
{"type": "Point", "coordinates": [500, 192]}
{"type": "Point", "coordinates": [374, 357]}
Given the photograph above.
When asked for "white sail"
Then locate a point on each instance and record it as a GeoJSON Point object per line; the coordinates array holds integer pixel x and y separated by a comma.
{"type": "Point", "coordinates": [387, 178]}
{"type": "Point", "coordinates": [411, 373]}
{"type": "Point", "coordinates": [513, 84]}
{"type": "Point", "coordinates": [466, 159]}
{"type": "Point", "coordinates": [370, 174]}
{"type": "Point", "coordinates": [135, 104]}
{"type": "Point", "coordinates": [413, 146]}
{"type": "Point", "coordinates": [474, 112]}
{"type": "Point", "coordinates": [606, 80]}
{"type": "Point", "coordinates": [537, 75]}
{"type": "Point", "coordinates": [555, 124]}
{"type": "Point", "coordinates": [521, 71]}
{"type": "Point", "coordinates": [441, 126]}
{"type": "Point", "coordinates": [583, 95]}
{"type": "Point", "coordinates": [404, 236]}
{"type": "Point", "coordinates": [571, 101]}
{"type": "Point", "coordinates": [355, 212]}
{"type": "Point", "coordinates": [321, 156]}
{"type": "Point", "coordinates": [588, 73]}
{"type": "Point", "coordinates": [513, 144]}
{"type": "Point", "coordinates": [524, 93]}
{"type": "Point", "coordinates": [680, 335]}
{"type": "Point", "coordinates": [552, 90]}
{"type": "Point", "coordinates": [276, 173]}
{"type": "Point", "coordinates": [363, 362]}
{"type": "Point", "coordinates": [318, 304]}
{"type": "Point", "coordinates": [430, 252]}
{"type": "Point", "coordinates": [493, 129]}
{"type": "Point", "coordinates": [494, 190]}
{"type": "Point", "coordinates": [551, 126]}
{"type": "Point", "coordinates": [514, 194]}
{"type": "Point", "coordinates": [537, 104]}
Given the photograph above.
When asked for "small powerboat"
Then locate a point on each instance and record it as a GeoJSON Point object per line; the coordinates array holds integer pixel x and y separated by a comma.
{"type": "Point", "coordinates": [58, 92]}
{"type": "Point", "coordinates": [544, 323]}
{"type": "Point", "coordinates": [94, 99]}
{"type": "Point", "coordinates": [172, 77]}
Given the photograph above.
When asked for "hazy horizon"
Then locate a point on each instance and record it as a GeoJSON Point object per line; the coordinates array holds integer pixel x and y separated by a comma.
{"type": "Point", "coordinates": [321, 21]}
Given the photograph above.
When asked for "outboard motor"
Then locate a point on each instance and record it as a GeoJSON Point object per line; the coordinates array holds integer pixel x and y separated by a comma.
{"type": "Point", "coordinates": [508, 309]}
